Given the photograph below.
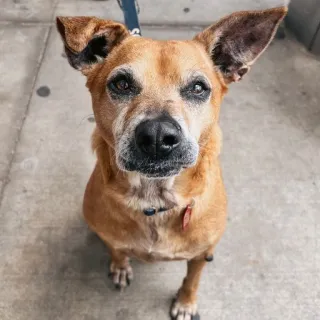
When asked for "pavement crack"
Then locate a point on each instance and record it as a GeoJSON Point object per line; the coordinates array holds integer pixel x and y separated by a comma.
{"type": "Point", "coordinates": [42, 53]}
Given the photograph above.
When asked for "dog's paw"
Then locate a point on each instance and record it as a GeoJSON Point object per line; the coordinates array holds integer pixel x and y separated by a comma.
{"type": "Point", "coordinates": [180, 311]}
{"type": "Point", "coordinates": [121, 276]}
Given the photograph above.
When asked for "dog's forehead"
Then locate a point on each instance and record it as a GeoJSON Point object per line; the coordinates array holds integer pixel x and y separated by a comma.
{"type": "Point", "coordinates": [173, 60]}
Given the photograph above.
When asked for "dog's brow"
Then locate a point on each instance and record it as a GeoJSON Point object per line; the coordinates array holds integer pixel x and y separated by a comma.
{"type": "Point", "coordinates": [194, 74]}
{"type": "Point", "coordinates": [120, 69]}
{"type": "Point", "coordinates": [198, 67]}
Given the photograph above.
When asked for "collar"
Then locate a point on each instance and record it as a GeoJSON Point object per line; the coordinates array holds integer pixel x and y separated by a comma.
{"type": "Point", "coordinates": [186, 215]}
{"type": "Point", "coordinates": [153, 210]}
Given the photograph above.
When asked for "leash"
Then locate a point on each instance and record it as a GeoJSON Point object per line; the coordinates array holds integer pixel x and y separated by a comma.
{"type": "Point", "coordinates": [131, 10]}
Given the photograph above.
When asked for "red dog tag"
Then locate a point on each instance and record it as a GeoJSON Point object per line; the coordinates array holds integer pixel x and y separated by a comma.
{"type": "Point", "coordinates": [187, 216]}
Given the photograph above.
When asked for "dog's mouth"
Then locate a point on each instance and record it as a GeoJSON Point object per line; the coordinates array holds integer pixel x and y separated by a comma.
{"type": "Point", "coordinates": [160, 169]}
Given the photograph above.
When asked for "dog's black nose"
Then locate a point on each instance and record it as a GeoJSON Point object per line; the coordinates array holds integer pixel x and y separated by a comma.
{"type": "Point", "coordinates": [158, 137]}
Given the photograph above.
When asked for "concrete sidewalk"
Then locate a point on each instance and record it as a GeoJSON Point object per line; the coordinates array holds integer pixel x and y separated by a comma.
{"type": "Point", "coordinates": [51, 267]}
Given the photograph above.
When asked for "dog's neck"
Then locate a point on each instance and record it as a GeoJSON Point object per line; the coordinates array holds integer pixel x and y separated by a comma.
{"type": "Point", "coordinates": [151, 193]}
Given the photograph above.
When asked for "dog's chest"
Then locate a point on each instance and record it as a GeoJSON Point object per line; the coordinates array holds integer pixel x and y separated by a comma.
{"type": "Point", "coordinates": [162, 241]}
{"type": "Point", "coordinates": [167, 245]}
{"type": "Point", "coordinates": [159, 237]}
{"type": "Point", "coordinates": [159, 246]}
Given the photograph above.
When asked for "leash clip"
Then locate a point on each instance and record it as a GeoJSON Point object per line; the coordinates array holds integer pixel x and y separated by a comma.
{"type": "Point", "coordinates": [135, 32]}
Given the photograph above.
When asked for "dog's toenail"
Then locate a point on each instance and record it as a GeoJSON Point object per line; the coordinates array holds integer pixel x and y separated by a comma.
{"type": "Point", "coordinates": [118, 287]}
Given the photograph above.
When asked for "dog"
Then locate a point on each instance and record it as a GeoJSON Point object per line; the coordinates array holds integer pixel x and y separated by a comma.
{"type": "Point", "coordinates": [156, 192]}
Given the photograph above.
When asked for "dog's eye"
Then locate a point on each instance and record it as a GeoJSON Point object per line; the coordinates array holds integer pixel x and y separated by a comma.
{"type": "Point", "coordinates": [121, 84]}
{"type": "Point", "coordinates": [197, 91]}
{"type": "Point", "coordinates": [198, 88]}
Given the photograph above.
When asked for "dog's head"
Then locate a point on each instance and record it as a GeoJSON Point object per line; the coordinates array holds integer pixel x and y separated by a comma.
{"type": "Point", "coordinates": [155, 101]}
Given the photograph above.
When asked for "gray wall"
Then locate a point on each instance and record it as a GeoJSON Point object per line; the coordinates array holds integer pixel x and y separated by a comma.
{"type": "Point", "coordinates": [304, 20]}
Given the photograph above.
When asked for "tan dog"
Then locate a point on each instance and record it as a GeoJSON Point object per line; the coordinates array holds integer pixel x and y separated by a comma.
{"type": "Point", "coordinates": [156, 192]}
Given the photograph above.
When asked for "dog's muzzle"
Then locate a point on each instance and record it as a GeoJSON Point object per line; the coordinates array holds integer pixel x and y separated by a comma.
{"type": "Point", "coordinates": [159, 148]}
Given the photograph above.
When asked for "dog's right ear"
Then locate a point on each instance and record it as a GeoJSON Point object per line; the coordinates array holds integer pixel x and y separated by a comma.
{"type": "Point", "coordinates": [88, 40]}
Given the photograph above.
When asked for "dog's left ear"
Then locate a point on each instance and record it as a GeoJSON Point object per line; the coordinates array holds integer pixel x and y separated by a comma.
{"type": "Point", "coordinates": [88, 40]}
{"type": "Point", "coordinates": [235, 42]}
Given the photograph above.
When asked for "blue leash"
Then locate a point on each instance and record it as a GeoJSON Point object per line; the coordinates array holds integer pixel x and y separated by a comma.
{"type": "Point", "coordinates": [130, 10]}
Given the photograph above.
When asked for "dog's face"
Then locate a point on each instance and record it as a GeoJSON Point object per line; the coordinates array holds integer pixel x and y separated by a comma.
{"type": "Point", "coordinates": [155, 101]}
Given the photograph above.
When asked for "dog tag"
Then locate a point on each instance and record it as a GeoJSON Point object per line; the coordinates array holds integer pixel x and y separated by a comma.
{"type": "Point", "coordinates": [187, 216]}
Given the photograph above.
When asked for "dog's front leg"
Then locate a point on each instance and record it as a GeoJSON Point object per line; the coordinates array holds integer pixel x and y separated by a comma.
{"type": "Point", "coordinates": [185, 306]}
{"type": "Point", "coordinates": [120, 270]}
